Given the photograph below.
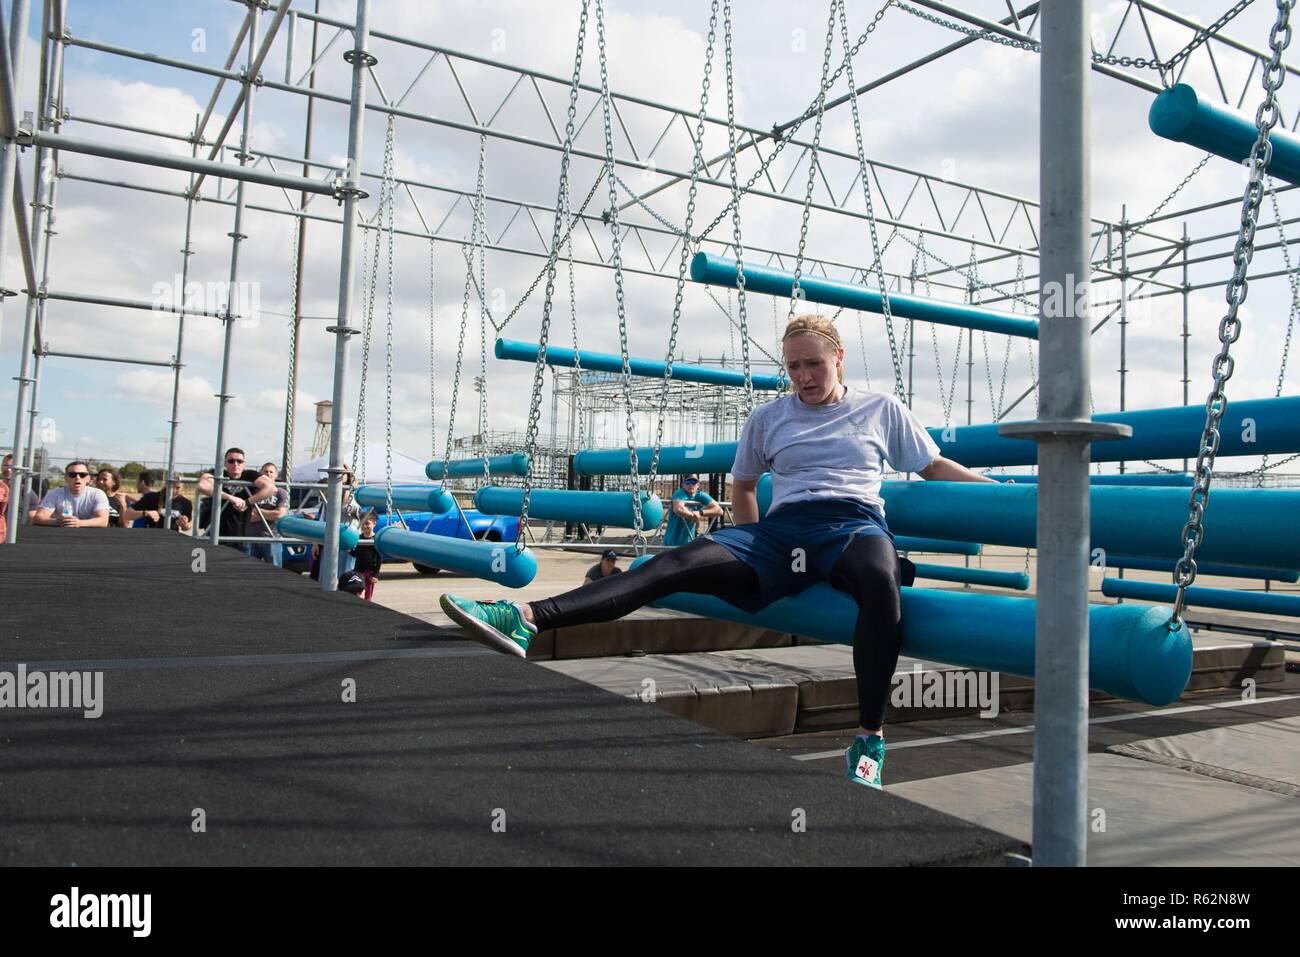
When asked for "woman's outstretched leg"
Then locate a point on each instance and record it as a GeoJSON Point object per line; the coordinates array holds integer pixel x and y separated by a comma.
{"type": "Point", "coordinates": [703, 566]}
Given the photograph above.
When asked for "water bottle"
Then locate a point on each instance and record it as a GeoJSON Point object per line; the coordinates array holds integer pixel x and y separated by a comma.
{"type": "Point", "coordinates": [67, 509]}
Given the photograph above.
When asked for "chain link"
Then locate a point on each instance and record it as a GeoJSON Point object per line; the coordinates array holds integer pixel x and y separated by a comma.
{"type": "Point", "coordinates": [796, 292]}
{"type": "Point", "coordinates": [1294, 282]}
{"type": "Point", "coordinates": [899, 388]}
{"type": "Point", "coordinates": [371, 281]}
{"type": "Point", "coordinates": [553, 253]}
{"type": "Point", "coordinates": [468, 252]}
{"type": "Point", "coordinates": [559, 234]}
{"type": "Point", "coordinates": [1138, 227]}
{"type": "Point", "coordinates": [1261, 154]}
{"type": "Point", "coordinates": [616, 259]}
{"type": "Point", "coordinates": [387, 198]}
{"type": "Point", "coordinates": [785, 136]}
{"type": "Point", "coordinates": [1109, 59]}
{"type": "Point", "coordinates": [737, 240]}
{"type": "Point", "coordinates": [433, 403]}
{"type": "Point", "coordinates": [697, 162]}
{"type": "Point", "coordinates": [481, 197]}
{"type": "Point", "coordinates": [290, 411]}
{"type": "Point", "coordinates": [1204, 35]}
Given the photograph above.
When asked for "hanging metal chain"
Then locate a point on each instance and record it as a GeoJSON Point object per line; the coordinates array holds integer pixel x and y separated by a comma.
{"type": "Point", "coordinates": [796, 293]}
{"type": "Point", "coordinates": [862, 342]}
{"type": "Point", "coordinates": [1109, 59]}
{"type": "Point", "coordinates": [1294, 282]}
{"type": "Point", "coordinates": [995, 398]}
{"type": "Point", "coordinates": [290, 412]}
{"type": "Point", "coordinates": [559, 228]}
{"type": "Point", "coordinates": [683, 263]}
{"type": "Point", "coordinates": [573, 320]}
{"type": "Point", "coordinates": [481, 196]}
{"type": "Point", "coordinates": [1261, 154]}
{"type": "Point", "coordinates": [737, 240]}
{"type": "Point", "coordinates": [1203, 35]}
{"type": "Point", "coordinates": [433, 402]}
{"type": "Point", "coordinates": [387, 201]}
{"type": "Point", "coordinates": [785, 136]}
{"type": "Point", "coordinates": [659, 217]}
{"type": "Point", "coordinates": [970, 31]}
{"type": "Point", "coordinates": [1137, 227]}
{"type": "Point", "coordinates": [372, 281]}
{"type": "Point", "coordinates": [616, 257]}
{"type": "Point", "coordinates": [947, 400]}
{"type": "Point", "coordinates": [469, 252]}
{"type": "Point", "coordinates": [552, 253]}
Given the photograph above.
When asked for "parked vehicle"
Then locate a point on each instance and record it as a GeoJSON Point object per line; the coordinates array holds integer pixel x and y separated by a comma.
{"type": "Point", "coordinates": [490, 528]}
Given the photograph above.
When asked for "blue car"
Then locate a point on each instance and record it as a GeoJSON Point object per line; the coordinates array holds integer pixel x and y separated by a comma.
{"type": "Point", "coordinates": [490, 528]}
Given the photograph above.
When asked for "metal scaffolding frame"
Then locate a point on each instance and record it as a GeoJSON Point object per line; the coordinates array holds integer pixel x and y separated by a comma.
{"type": "Point", "coordinates": [998, 229]}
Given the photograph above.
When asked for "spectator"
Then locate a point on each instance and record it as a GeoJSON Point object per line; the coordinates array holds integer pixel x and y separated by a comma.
{"type": "Point", "coordinates": [689, 504]}
{"type": "Point", "coordinates": [351, 515]}
{"type": "Point", "coordinates": [152, 507]}
{"type": "Point", "coordinates": [263, 516]}
{"type": "Point", "coordinates": [607, 566]}
{"type": "Point", "coordinates": [31, 498]}
{"type": "Point", "coordinates": [368, 559]}
{"type": "Point", "coordinates": [109, 481]}
{"type": "Point", "coordinates": [234, 500]}
{"type": "Point", "coordinates": [75, 505]}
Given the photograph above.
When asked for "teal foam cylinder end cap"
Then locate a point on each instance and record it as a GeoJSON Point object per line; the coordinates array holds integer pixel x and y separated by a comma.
{"type": "Point", "coordinates": [1172, 111]}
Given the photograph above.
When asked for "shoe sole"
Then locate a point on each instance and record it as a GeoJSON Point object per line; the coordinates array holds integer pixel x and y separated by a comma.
{"type": "Point", "coordinates": [481, 631]}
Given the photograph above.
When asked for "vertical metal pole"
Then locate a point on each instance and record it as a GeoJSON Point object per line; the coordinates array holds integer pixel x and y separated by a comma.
{"type": "Point", "coordinates": [1064, 432]}
{"type": "Point", "coordinates": [51, 105]}
{"type": "Point", "coordinates": [291, 397]}
{"type": "Point", "coordinates": [8, 168]}
{"type": "Point", "coordinates": [1186, 333]}
{"type": "Point", "coordinates": [236, 237]}
{"type": "Point", "coordinates": [361, 59]}
{"type": "Point", "coordinates": [186, 253]}
{"type": "Point", "coordinates": [1123, 317]}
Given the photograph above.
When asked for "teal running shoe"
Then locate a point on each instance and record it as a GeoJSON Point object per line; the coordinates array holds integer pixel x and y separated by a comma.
{"type": "Point", "coordinates": [498, 624]}
{"type": "Point", "coordinates": [866, 760]}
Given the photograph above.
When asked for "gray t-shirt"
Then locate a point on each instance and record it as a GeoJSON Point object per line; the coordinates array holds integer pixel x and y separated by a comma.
{"type": "Point", "coordinates": [831, 451]}
{"type": "Point", "coordinates": [269, 504]}
{"type": "Point", "coordinates": [85, 505]}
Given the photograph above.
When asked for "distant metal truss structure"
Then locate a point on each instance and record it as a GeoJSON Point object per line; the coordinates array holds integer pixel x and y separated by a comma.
{"type": "Point", "coordinates": [958, 223]}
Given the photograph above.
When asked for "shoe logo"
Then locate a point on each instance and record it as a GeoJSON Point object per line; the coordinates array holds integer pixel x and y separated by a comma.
{"type": "Point", "coordinates": [867, 768]}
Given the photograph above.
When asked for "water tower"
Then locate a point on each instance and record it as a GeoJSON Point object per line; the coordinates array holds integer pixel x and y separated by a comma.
{"type": "Point", "coordinates": [320, 442]}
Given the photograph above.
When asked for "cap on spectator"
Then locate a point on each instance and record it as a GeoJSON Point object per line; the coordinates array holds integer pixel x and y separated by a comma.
{"type": "Point", "coordinates": [690, 478]}
{"type": "Point", "coordinates": [610, 553]}
{"type": "Point", "coordinates": [175, 479]}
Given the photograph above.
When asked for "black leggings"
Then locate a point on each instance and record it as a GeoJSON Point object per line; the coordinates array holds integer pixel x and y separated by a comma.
{"type": "Point", "coordinates": [868, 570]}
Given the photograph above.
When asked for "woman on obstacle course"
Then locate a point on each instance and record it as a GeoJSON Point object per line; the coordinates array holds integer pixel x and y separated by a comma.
{"type": "Point", "coordinates": [826, 445]}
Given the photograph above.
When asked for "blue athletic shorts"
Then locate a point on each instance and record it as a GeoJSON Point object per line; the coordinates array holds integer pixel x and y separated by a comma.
{"type": "Point", "coordinates": [822, 529]}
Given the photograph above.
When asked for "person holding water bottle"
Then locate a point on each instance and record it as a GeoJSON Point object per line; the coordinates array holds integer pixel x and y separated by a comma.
{"type": "Point", "coordinates": [77, 504]}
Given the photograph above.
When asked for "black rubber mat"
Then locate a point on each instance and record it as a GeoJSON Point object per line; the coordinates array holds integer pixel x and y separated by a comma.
{"type": "Point", "coordinates": [223, 702]}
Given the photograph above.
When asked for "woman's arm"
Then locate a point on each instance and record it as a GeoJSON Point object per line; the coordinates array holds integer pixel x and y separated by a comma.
{"type": "Point", "coordinates": [744, 503]}
{"type": "Point", "coordinates": [946, 470]}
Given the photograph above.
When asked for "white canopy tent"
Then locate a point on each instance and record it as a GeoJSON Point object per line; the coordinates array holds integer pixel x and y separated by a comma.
{"type": "Point", "coordinates": [406, 469]}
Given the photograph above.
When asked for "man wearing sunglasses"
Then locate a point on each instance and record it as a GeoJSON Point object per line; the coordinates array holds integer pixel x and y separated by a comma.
{"type": "Point", "coordinates": [77, 504]}
{"type": "Point", "coordinates": [689, 505]}
{"type": "Point", "coordinates": [234, 499]}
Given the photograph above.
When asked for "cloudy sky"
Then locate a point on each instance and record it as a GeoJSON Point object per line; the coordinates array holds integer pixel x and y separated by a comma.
{"type": "Point", "coordinates": [971, 119]}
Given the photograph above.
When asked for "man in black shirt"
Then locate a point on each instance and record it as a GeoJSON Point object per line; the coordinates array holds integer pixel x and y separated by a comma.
{"type": "Point", "coordinates": [608, 566]}
{"type": "Point", "coordinates": [234, 499]}
{"type": "Point", "coordinates": [152, 505]}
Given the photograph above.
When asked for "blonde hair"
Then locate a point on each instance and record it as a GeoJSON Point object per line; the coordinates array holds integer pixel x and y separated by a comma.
{"type": "Point", "coordinates": [812, 325]}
